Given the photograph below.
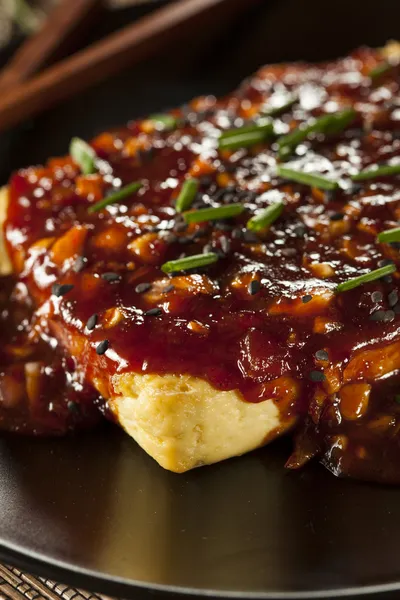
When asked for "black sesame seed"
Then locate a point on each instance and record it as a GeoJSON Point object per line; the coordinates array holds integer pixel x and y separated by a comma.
{"type": "Point", "coordinates": [228, 168]}
{"type": "Point", "coordinates": [322, 355]}
{"type": "Point", "coordinates": [306, 298]}
{"type": "Point", "coordinates": [385, 262]}
{"type": "Point", "coordinates": [329, 195]}
{"type": "Point", "coordinates": [250, 237]}
{"type": "Point", "coordinates": [355, 188]}
{"type": "Point", "coordinates": [92, 322]}
{"type": "Point", "coordinates": [222, 226]}
{"type": "Point", "coordinates": [170, 238]}
{"type": "Point", "coordinates": [254, 287]}
{"type": "Point", "coordinates": [79, 264]}
{"type": "Point", "coordinates": [220, 253]}
{"type": "Point", "coordinates": [378, 315]}
{"type": "Point", "coordinates": [141, 288]}
{"type": "Point", "coordinates": [237, 234]}
{"type": "Point", "coordinates": [168, 288]}
{"type": "Point", "coordinates": [389, 316]}
{"type": "Point", "coordinates": [153, 312]}
{"type": "Point", "coordinates": [377, 297]}
{"type": "Point", "coordinates": [207, 248]}
{"type": "Point", "coordinates": [73, 407]}
{"type": "Point", "coordinates": [110, 277]}
{"type": "Point", "coordinates": [184, 240]}
{"type": "Point", "coordinates": [396, 309]}
{"type": "Point", "coordinates": [393, 298]}
{"type": "Point", "coordinates": [225, 244]}
{"type": "Point", "coordinates": [317, 376]}
{"type": "Point", "coordinates": [180, 227]}
{"type": "Point", "coordinates": [199, 233]}
{"type": "Point", "coordinates": [387, 279]}
{"type": "Point", "coordinates": [337, 216]}
{"type": "Point", "coordinates": [102, 347]}
{"type": "Point", "coordinates": [205, 181]}
{"type": "Point", "coordinates": [60, 290]}
{"type": "Point", "coordinates": [300, 231]}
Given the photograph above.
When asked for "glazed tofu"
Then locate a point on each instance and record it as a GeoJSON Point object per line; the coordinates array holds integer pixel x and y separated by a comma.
{"type": "Point", "coordinates": [197, 265]}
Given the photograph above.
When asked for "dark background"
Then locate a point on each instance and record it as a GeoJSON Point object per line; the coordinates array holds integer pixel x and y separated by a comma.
{"type": "Point", "coordinates": [214, 61]}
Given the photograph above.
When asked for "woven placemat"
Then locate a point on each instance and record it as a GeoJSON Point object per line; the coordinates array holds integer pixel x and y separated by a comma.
{"type": "Point", "coordinates": [16, 585]}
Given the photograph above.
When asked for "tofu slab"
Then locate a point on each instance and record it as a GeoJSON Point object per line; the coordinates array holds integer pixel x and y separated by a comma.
{"type": "Point", "coordinates": [181, 421]}
{"type": "Point", "coordinates": [198, 366]}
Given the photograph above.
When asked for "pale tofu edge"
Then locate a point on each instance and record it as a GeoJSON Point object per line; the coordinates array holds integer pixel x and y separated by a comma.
{"type": "Point", "coordinates": [179, 420]}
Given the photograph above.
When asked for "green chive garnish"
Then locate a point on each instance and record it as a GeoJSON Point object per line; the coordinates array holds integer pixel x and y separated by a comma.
{"type": "Point", "coordinates": [372, 276]}
{"type": "Point", "coordinates": [115, 198]}
{"type": "Point", "coordinates": [390, 235]}
{"type": "Point", "coordinates": [330, 123]}
{"type": "Point", "coordinates": [381, 69]}
{"type": "Point", "coordinates": [377, 171]}
{"type": "Point", "coordinates": [187, 195]}
{"type": "Point", "coordinates": [265, 217]}
{"type": "Point", "coordinates": [213, 214]}
{"type": "Point", "coordinates": [274, 111]}
{"type": "Point", "coordinates": [190, 262]}
{"type": "Point", "coordinates": [318, 181]}
{"type": "Point", "coordinates": [83, 155]}
{"type": "Point", "coordinates": [164, 121]}
{"type": "Point", "coordinates": [246, 136]}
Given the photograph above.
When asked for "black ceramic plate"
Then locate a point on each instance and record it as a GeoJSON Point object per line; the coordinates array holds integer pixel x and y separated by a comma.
{"type": "Point", "coordinates": [94, 510]}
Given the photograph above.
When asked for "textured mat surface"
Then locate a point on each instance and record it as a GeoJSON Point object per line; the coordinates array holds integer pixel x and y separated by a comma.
{"type": "Point", "coordinates": [16, 585]}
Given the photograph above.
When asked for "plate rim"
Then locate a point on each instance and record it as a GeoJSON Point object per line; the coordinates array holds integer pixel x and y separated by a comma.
{"type": "Point", "coordinates": [62, 571]}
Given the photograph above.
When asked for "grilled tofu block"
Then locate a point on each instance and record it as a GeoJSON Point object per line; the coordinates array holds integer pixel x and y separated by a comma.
{"type": "Point", "coordinates": [218, 272]}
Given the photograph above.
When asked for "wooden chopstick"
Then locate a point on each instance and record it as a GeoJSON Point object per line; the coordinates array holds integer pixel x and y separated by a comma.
{"type": "Point", "coordinates": [110, 55]}
{"type": "Point", "coordinates": [62, 22]}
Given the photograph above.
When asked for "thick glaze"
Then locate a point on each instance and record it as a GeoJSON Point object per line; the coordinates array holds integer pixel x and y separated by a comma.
{"type": "Point", "coordinates": [210, 325]}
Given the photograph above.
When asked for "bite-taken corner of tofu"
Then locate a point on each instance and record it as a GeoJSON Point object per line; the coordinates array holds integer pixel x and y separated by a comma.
{"type": "Point", "coordinates": [182, 421]}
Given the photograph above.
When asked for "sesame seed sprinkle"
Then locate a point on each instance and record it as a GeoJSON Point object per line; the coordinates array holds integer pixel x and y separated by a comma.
{"type": "Point", "coordinates": [317, 376]}
{"type": "Point", "coordinates": [61, 290]}
{"type": "Point", "coordinates": [110, 277]}
{"type": "Point", "coordinates": [254, 287]}
{"type": "Point", "coordinates": [322, 355]}
{"type": "Point", "coordinates": [153, 312]}
{"type": "Point", "coordinates": [141, 288]}
{"type": "Point", "coordinates": [92, 322]}
{"type": "Point", "coordinates": [102, 347]}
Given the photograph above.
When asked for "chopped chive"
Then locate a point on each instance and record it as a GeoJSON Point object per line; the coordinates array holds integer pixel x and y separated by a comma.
{"type": "Point", "coordinates": [164, 121]}
{"type": "Point", "coordinates": [372, 276]}
{"type": "Point", "coordinates": [380, 69]}
{"type": "Point", "coordinates": [265, 217]}
{"type": "Point", "coordinates": [123, 193]}
{"type": "Point", "coordinates": [390, 235]}
{"type": "Point", "coordinates": [83, 155]}
{"type": "Point", "coordinates": [376, 171]}
{"type": "Point", "coordinates": [213, 214]}
{"type": "Point", "coordinates": [246, 136]}
{"type": "Point", "coordinates": [187, 195]}
{"type": "Point", "coordinates": [329, 123]}
{"type": "Point", "coordinates": [318, 181]}
{"type": "Point", "coordinates": [190, 262]}
{"type": "Point", "coordinates": [274, 111]}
